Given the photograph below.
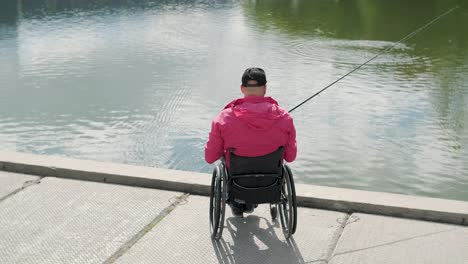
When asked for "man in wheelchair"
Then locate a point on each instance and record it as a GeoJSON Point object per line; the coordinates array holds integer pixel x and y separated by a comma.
{"type": "Point", "coordinates": [252, 126]}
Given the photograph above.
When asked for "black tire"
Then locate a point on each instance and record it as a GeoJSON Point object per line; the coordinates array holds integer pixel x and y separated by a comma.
{"type": "Point", "coordinates": [293, 189]}
{"type": "Point", "coordinates": [217, 202]}
{"type": "Point", "coordinates": [286, 206]}
{"type": "Point", "coordinates": [214, 211]}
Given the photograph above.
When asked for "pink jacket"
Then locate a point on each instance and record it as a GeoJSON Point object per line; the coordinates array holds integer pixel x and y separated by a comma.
{"type": "Point", "coordinates": [253, 126]}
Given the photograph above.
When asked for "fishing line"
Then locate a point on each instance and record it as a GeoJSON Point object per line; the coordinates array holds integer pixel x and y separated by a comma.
{"type": "Point", "coordinates": [412, 34]}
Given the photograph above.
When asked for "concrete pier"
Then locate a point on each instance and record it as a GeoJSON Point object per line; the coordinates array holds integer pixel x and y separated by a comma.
{"type": "Point", "coordinates": [66, 214]}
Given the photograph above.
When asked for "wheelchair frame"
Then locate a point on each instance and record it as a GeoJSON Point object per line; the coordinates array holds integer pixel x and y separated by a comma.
{"type": "Point", "coordinates": [220, 195]}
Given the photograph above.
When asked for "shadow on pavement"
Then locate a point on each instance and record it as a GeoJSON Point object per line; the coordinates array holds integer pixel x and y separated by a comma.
{"type": "Point", "coordinates": [254, 240]}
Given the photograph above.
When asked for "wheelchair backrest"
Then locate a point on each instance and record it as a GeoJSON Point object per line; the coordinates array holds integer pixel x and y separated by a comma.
{"type": "Point", "coordinates": [269, 164]}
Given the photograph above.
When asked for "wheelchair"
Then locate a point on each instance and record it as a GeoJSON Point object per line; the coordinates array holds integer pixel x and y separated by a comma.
{"type": "Point", "coordinates": [254, 180]}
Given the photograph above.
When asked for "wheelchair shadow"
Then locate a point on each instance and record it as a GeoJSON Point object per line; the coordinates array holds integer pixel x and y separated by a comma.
{"type": "Point", "coordinates": [252, 243]}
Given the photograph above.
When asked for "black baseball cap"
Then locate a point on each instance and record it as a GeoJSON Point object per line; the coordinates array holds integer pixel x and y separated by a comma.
{"type": "Point", "coordinates": [254, 74]}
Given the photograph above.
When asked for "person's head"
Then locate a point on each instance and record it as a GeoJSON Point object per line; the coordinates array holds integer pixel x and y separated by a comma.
{"type": "Point", "coordinates": [253, 82]}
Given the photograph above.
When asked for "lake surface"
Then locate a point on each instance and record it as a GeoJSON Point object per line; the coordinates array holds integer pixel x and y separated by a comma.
{"type": "Point", "coordinates": [139, 82]}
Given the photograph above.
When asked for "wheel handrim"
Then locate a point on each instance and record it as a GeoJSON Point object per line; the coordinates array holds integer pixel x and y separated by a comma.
{"type": "Point", "coordinates": [223, 196]}
{"type": "Point", "coordinates": [215, 206]}
{"type": "Point", "coordinates": [286, 207]}
{"type": "Point", "coordinates": [218, 202]}
{"type": "Point", "coordinates": [293, 195]}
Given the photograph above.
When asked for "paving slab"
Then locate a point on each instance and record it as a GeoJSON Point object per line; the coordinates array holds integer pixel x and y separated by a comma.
{"type": "Point", "coordinates": [11, 182]}
{"type": "Point", "coordinates": [69, 221]}
{"type": "Point", "coordinates": [378, 239]}
{"type": "Point", "coordinates": [184, 237]}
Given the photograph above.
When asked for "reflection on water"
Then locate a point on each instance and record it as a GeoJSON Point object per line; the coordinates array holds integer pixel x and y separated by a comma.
{"type": "Point", "coordinates": [139, 81]}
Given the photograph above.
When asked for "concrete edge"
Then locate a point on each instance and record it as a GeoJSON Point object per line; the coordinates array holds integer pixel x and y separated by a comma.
{"type": "Point", "coordinates": [320, 197]}
{"type": "Point", "coordinates": [113, 178]}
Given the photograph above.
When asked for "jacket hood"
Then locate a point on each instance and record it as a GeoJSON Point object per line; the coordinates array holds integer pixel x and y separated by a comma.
{"type": "Point", "coordinates": [259, 113]}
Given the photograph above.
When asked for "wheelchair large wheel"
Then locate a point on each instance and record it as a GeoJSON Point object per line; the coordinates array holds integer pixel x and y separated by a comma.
{"type": "Point", "coordinates": [293, 189]}
{"type": "Point", "coordinates": [287, 205]}
{"type": "Point", "coordinates": [217, 202]}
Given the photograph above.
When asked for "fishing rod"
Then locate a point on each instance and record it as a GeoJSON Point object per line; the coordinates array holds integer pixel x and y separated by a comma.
{"type": "Point", "coordinates": [410, 35]}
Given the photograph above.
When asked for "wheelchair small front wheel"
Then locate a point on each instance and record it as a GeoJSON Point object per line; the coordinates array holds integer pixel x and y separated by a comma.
{"type": "Point", "coordinates": [274, 212]}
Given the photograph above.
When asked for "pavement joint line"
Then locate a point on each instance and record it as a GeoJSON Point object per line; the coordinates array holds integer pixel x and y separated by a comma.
{"type": "Point", "coordinates": [26, 184]}
{"type": "Point", "coordinates": [176, 201]}
{"type": "Point", "coordinates": [397, 241]}
{"type": "Point", "coordinates": [337, 237]}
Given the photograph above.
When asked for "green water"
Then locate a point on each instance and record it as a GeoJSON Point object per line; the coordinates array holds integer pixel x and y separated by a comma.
{"type": "Point", "coordinates": [138, 82]}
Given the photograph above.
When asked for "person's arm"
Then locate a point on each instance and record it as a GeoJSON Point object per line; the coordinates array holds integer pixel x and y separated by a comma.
{"type": "Point", "coordinates": [214, 146]}
{"type": "Point", "coordinates": [290, 150]}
